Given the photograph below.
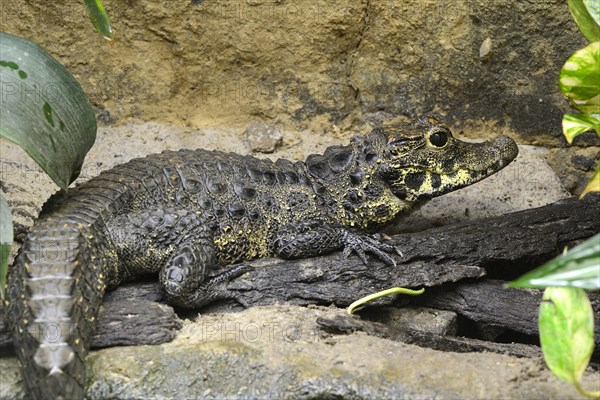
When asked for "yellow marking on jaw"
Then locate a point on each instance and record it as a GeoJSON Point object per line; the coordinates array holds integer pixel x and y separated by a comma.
{"type": "Point", "coordinates": [461, 177]}
{"type": "Point", "coordinates": [426, 186]}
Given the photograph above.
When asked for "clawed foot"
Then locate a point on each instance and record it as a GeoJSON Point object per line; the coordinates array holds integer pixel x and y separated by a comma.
{"type": "Point", "coordinates": [215, 288]}
{"type": "Point", "coordinates": [360, 244]}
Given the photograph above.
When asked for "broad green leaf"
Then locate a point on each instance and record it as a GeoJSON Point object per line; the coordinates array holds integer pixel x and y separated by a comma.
{"type": "Point", "coordinates": [358, 304]}
{"type": "Point", "coordinates": [566, 324]}
{"type": "Point", "coordinates": [6, 239]}
{"type": "Point", "coordinates": [99, 18]}
{"type": "Point", "coordinates": [576, 124]}
{"type": "Point", "coordinates": [579, 267]}
{"type": "Point", "coordinates": [585, 15]}
{"type": "Point", "coordinates": [44, 109]}
{"type": "Point", "coordinates": [593, 7]}
{"type": "Point", "coordinates": [590, 106]}
{"type": "Point", "coordinates": [579, 79]}
{"type": "Point", "coordinates": [594, 183]}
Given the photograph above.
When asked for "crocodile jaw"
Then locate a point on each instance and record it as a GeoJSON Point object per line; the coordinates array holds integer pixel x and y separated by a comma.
{"type": "Point", "coordinates": [446, 170]}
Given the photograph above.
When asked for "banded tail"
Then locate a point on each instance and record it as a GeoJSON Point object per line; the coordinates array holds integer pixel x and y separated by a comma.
{"type": "Point", "coordinates": [56, 286]}
{"type": "Point", "coordinates": [53, 306]}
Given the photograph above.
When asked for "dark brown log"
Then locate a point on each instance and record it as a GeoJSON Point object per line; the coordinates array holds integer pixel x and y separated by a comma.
{"type": "Point", "coordinates": [489, 301]}
{"type": "Point", "coordinates": [135, 322]}
{"type": "Point", "coordinates": [508, 240]}
{"type": "Point", "coordinates": [124, 320]}
{"type": "Point", "coordinates": [432, 257]}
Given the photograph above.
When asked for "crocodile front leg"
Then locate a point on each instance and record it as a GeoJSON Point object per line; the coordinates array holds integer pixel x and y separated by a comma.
{"type": "Point", "coordinates": [314, 238]}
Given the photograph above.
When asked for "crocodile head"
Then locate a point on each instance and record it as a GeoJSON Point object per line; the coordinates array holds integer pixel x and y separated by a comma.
{"type": "Point", "coordinates": [422, 159]}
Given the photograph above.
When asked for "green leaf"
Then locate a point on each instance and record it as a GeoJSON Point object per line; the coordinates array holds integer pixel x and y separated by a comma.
{"type": "Point", "coordinates": [6, 239]}
{"type": "Point", "coordinates": [594, 183]}
{"type": "Point", "coordinates": [44, 109]}
{"type": "Point", "coordinates": [576, 124]}
{"type": "Point", "coordinates": [566, 324]}
{"type": "Point", "coordinates": [593, 7]}
{"type": "Point", "coordinates": [99, 18]}
{"type": "Point", "coordinates": [579, 79]}
{"type": "Point", "coordinates": [357, 305]}
{"type": "Point", "coordinates": [585, 14]}
{"type": "Point", "coordinates": [579, 267]}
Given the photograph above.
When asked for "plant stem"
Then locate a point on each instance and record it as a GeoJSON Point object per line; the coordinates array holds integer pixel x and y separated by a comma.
{"type": "Point", "coordinates": [397, 290]}
{"type": "Point", "coordinates": [592, 394]}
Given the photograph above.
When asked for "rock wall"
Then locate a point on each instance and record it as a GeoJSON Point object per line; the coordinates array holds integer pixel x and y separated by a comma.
{"type": "Point", "coordinates": [327, 66]}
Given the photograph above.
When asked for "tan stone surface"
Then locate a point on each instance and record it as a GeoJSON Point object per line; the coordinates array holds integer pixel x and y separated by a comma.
{"type": "Point", "coordinates": [328, 66]}
{"type": "Point", "coordinates": [280, 352]}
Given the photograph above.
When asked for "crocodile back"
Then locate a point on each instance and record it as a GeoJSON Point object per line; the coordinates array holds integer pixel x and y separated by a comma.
{"type": "Point", "coordinates": [241, 200]}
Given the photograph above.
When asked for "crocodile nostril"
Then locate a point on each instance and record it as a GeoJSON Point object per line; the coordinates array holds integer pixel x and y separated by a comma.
{"type": "Point", "coordinates": [508, 148]}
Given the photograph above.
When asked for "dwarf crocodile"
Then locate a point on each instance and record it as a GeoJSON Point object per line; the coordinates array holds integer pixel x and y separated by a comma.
{"type": "Point", "coordinates": [193, 216]}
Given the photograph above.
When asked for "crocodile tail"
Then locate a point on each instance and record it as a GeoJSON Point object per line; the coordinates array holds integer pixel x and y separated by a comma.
{"type": "Point", "coordinates": [53, 306]}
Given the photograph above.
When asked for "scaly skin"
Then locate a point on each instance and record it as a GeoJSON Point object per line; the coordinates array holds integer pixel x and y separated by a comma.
{"type": "Point", "coordinates": [187, 215]}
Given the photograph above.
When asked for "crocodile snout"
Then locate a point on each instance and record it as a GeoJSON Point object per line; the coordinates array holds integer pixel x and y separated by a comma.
{"type": "Point", "coordinates": [507, 148]}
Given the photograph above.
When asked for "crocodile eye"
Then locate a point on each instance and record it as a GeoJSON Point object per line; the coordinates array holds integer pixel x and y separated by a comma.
{"type": "Point", "coordinates": [438, 139]}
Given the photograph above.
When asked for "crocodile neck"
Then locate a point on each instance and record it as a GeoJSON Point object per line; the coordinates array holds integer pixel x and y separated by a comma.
{"type": "Point", "coordinates": [348, 176]}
